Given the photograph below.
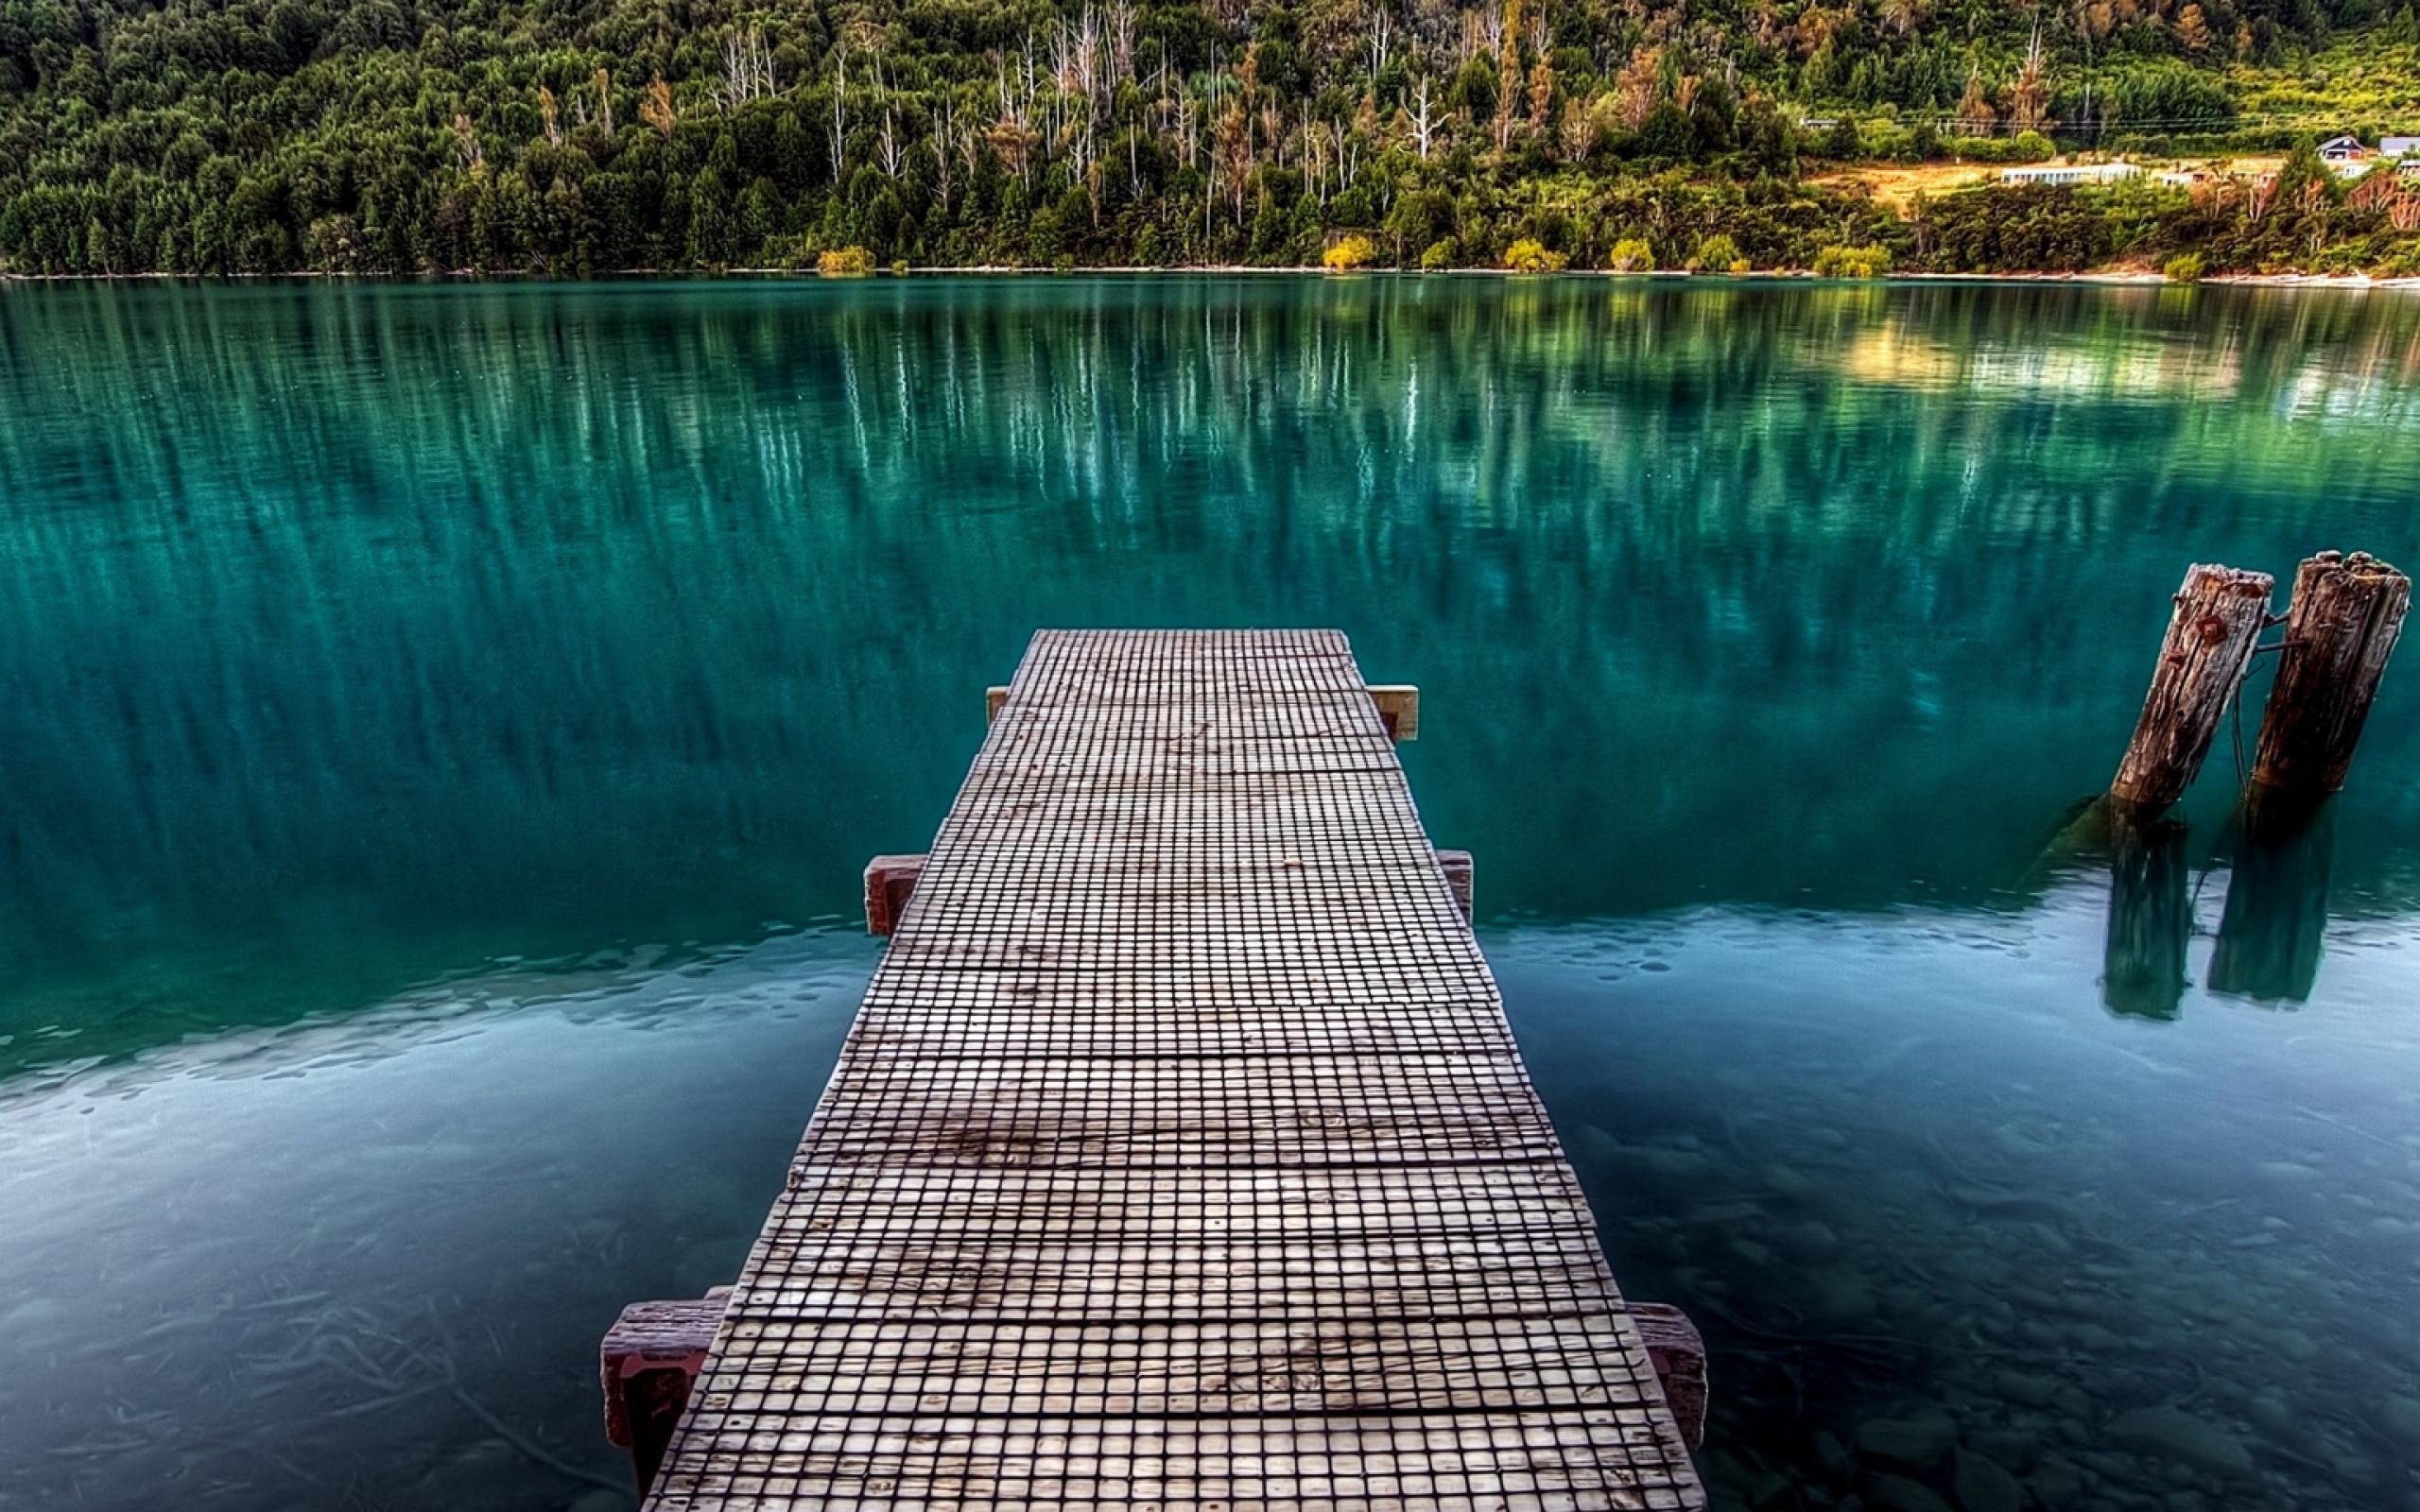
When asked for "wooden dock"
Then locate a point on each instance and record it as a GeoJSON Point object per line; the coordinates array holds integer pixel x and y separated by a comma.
{"type": "Point", "coordinates": [1180, 1157]}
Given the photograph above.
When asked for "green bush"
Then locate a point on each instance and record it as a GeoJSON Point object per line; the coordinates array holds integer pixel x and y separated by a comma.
{"type": "Point", "coordinates": [845, 262]}
{"type": "Point", "coordinates": [1853, 262]}
{"type": "Point", "coordinates": [2185, 267]}
{"type": "Point", "coordinates": [1633, 255]}
{"type": "Point", "coordinates": [1714, 254]}
{"type": "Point", "coordinates": [2032, 147]}
{"type": "Point", "coordinates": [1438, 255]}
{"type": "Point", "coordinates": [1979, 149]}
{"type": "Point", "coordinates": [1530, 255]}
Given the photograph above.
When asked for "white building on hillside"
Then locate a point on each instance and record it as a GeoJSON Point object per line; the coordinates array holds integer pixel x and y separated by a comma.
{"type": "Point", "coordinates": [2060, 173]}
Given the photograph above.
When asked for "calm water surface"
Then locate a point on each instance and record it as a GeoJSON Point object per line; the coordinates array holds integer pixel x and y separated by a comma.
{"type": "Point", "coordinates": [440, 728]}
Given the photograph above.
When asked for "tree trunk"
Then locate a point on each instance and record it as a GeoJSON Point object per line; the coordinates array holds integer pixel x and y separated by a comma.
{"type": "Point", "coordinates": [2340, 630]}
{"type": "Point", "coordinates": [2219, 615]}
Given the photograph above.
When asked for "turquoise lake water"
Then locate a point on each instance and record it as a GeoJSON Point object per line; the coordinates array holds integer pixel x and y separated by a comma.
{"type": "Point", "coordinates": [442, 727]}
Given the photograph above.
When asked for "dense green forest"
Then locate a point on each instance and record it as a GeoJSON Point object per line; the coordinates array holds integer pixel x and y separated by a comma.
{"type": "Point", "coordinates": [577, 137]}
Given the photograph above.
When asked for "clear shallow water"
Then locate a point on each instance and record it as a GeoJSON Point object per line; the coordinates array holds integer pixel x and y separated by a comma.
{"type": "Point", "coordinates": [442, 727]}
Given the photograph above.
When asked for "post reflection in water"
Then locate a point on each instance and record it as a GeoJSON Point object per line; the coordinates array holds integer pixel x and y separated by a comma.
{"type": "Point", "coordinates": [2277, 915]}
{"type": "Point", "coordinates": [2271, 932]}
{"type": "Point", "coordinates": [443, 724]}
{"type": "Point", "coordinates": [2151, 919]}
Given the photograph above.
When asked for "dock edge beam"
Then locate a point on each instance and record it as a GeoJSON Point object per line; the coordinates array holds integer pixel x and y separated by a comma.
{"type": "Point", "coordinates": [651, 1357]}
{"type": "Point", "coordinates": [1398, 707]}
{"type": "Point", "coordinates": [891, 881]}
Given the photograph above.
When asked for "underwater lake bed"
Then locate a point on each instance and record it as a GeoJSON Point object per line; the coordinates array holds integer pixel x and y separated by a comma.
{"type": "Point", "coordinates": [443, 726]}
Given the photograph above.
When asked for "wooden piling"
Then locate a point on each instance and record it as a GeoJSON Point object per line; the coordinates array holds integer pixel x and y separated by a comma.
{"type": "Point", "coordinates": [2219, 615]}
{"type": "Point", "coordinates": [2340, 629]}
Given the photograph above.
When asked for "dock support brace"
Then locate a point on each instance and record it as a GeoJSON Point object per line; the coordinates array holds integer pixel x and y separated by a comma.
{"type": "Point", "coordinates": [1456, 865]}
{"type": "Point", "coordinates": [1679, 1356]}
{"type": "Point", "coordinates": [889, 882]}
{"type": "Point", "coordinates": [1398, 709]}
{"type": "Point", "coordinates": [646, 1363]}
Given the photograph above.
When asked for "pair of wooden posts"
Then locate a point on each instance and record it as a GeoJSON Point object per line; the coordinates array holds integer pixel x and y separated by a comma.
{"type": "Point", "coordinates": [2339, 629]}
{"type": "Point", "coordinates": [2341, 626]}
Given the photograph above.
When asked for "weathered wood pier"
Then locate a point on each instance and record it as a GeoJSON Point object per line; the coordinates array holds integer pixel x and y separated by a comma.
{"type": "Point", "coordinates": [1180, 1157]}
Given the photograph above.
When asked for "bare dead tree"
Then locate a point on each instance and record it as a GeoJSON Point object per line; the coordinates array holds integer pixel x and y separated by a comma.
{"type": "Point", "coordinates": [1085, 49]}
{"type": "Point", "coordinates": [1381, 38]}
{"type": "Point", "coordinates": [747, 70]}
{"type": "Point", "coordinates": [1122, 41]}
{"type": "Point", "coordinates": [604, 83]}
{"type": "Point", "coordinates": [1424, 116]}
{"type": "Point", "coordinates": [1188, 143]}
{"type": "Point", "coordinates": [888, 151]}
{"type": "Point", "coordinates": [839, 108]}
{"type": "Point", "coordinates": [889, 154]}
{"type": "Point", "coordinates": [1314, 155]}
{"type": "Point", "coordinates": [970, 149]}
{"type": "Point", "coordinates": [2029, 96]}
{"type": "Point", "coordinates": [1010, 137]}
{"type": "Point", "coordinates": [944, 129]}
{"type": "Point", "coordinates": [1077, 142]}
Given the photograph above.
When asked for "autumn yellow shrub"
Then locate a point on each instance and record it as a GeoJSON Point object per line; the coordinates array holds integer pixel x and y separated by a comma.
{"type": "Point", "coordinates": [1530, 255]}
{"type": "Point", "coordinates": [845, 262]}
{"type": "Point", "coordinates": [1348, 252]}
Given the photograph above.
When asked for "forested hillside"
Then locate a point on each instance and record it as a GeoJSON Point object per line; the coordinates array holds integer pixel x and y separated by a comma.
{"type": "Point", "coordinates": [576, 136]}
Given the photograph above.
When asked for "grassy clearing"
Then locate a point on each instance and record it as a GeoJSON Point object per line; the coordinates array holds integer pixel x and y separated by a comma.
{"type": "Point", "coordinates": [1896, 184]}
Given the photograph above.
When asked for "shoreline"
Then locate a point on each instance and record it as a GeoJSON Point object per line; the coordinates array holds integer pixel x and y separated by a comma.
{"type": "Point", "coordinates": [2112, 277]}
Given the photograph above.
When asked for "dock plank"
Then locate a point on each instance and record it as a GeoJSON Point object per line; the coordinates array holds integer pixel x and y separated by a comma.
{"type": "Point", "coordinates": [1181, 1156]}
